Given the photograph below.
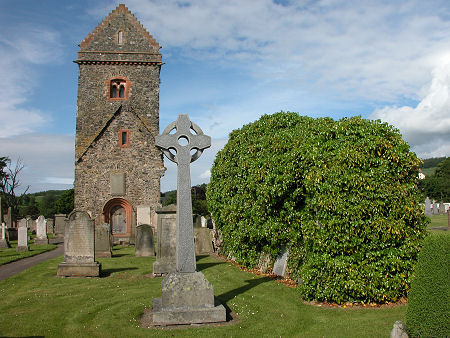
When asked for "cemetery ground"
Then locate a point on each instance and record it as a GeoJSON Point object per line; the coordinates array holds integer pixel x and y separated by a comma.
{"type": "Point", "coordinates": [36, 302]}
{"type": "Point", "coordinates": [10, 255]}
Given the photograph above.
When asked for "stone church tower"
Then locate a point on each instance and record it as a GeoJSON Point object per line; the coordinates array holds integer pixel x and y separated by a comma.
{"type": "Point", "coordinates": [117, 165]}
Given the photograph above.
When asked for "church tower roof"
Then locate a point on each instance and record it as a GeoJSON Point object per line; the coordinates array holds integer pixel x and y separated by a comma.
{"type": "Point", "coordinates": [119, 38]}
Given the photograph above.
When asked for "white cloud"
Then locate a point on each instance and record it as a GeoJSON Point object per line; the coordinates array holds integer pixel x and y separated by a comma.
{"type": "Point", "coordinates": [206, 174]}
{"type": "Point", "coordinates": [21, 50]}
{"type": "Point", "coordinates": [375, 50]}
{"type": "Point", "coordinates": [427, 126]}
{"type": "Point", "coordinates": [48, 160]}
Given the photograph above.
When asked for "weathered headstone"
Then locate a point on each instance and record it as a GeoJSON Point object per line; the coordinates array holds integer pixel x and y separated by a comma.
{"type": "Point", "coordinates": [143, 215]}
{"type": "Point", "coordinates": [50, 226]}
{"type": "Point", "coordinates": [203, 241]}
{"type": "Point", "coordinates": [8, 218]}
{"type": "Point", "coordinates": [144, 244]}
{"type": "Point", "coordinates": [166, 241]}
{"type": "Point", "coordinates": [427, 207]}
{"type": "Point", "coordinates": [103, 240]}
{"type": "Point", "coordinates": [3, 240]}
{"type": "Point", "coordinates": [441, 208]}
{"type": "Point", "coordinates": [435, 208]}
{"type": "Point", "coordinates": [79, 260]}
{"type": "Point", "coordinates": [186, 296]}
{"type": "Point", "coordinates": [41, 231]}
{"type": "Point", "coordinates": [197, 220]}
{"type": "Point", "coordinates": [280, 264]}
{"type": "Point", "coordinates": [22, 236]}
{"type": "Point", "coordinates": [60, 224]}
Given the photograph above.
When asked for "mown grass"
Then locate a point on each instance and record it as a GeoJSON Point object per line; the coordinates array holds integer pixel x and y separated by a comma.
{"type": "Point", "coordinates": [10, 255]}
{"type": "Point", "coordinates": [36, 302]}
{"type": "Point", "coordinates": [438, 221]}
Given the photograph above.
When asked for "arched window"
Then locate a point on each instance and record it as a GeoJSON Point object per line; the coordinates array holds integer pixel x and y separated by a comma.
{"type": "Point", "coordinates": [118, 89]}
{"type": "Point", "coordinates": [120, 37]}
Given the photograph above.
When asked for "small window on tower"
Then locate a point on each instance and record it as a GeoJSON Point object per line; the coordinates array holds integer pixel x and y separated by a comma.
{"type": "Point", "coordinates": [124, 138]}
{"type": "Point", "coordinates": [118, 89]}
{"type": "Point", "coordinates": [120, 37]}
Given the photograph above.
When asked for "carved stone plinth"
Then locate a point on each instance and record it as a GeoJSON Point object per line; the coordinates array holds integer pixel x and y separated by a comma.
{"type": "Point", "coordinates": [79, 269]}
{"type": "Point", "coordinates": [187, 298]}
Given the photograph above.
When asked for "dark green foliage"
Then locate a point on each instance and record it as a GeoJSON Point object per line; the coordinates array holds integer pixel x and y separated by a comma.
{"type": "Point", "coordinates": [428, 302]}
{"type": "Point", "coordinates": [64, 204]}
{"type": "Point", "coordinates": [198, 195]}
{"type": "Point", "coordinates": [437, 186]}
{"type": "Point", "coordinates": [341, 194]}
{"type": "Point", "coordinates": [432, 162]}
{"type": "Point", "coordinates": [46, 203]}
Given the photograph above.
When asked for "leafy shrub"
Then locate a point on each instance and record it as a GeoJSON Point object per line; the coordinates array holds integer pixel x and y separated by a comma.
{"type": "Point", "coordinates": [340, 194]}
{"type": "Point", "coordinates": [428, 302]}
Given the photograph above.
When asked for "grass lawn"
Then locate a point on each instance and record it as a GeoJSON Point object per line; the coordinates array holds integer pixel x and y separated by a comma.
{"type": "Point", "coordinates": [36, 302]}
{"type": "Point", "coordinates": [438, 221]}
{"type": "Point", "coordinates": [10, 255]}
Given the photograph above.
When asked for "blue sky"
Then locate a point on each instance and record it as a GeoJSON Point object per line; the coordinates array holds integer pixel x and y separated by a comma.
{"type": "Point", "coordinates": [226, 64]}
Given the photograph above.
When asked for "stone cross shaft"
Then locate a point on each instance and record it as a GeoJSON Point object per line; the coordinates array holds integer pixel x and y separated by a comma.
{"type": "Point", "coordinates": [177, 146]}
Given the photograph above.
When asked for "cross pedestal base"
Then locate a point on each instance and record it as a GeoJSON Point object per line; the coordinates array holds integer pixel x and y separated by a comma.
{"type": "Point", "coordinates": [187, 298]}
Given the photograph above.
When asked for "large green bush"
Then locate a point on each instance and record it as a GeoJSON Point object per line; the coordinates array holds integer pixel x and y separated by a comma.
{"type": "Point", "coordinates": [340, 194]}
{"type": "Point", "coordinates": [428, 313]}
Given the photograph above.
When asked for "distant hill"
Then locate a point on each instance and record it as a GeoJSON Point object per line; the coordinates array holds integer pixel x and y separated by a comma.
{"type": "Point", "coordinates": [430, 164]}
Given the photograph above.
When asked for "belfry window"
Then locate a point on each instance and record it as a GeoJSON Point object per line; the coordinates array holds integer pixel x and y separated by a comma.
{"type": "Point", "coordinates": [118, 89]}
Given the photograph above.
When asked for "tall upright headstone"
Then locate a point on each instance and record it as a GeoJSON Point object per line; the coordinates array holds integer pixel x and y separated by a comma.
{"type": "Point", "coordinates": [103, 240]}
{"type": "Point", "coordinates": [186, 296]}
{"type": "Point", "coordinates": [22, 236]}
{"type": "Point", "coordinates": [441, 208]}
{"type": "Point", "coordinates": [3, 240]}
{"type": "Point", "coordinates": [79, 257]}
{"type": "Point", "coordinates": [144, 244]}
{"type": "Point", "coordinates": [427, 206]}
{"type": "Point", "coordinates": [166, 240]}
{"type": "Point", "coordinates": [435, 208]}
{"type": "Point", "coordinates": [60, 224]}
{"type": "Point", "coordinates": [41, 231]}
{"type": "Point", "coordinates": [8, 219]}
{"type": "Point", "coordinates": [50, 225]}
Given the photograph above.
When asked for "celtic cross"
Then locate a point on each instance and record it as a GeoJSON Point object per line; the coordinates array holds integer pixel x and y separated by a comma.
{"type": "Point", "coordinates": [178, 147]}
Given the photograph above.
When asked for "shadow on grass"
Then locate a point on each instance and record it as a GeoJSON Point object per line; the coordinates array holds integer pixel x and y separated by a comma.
{"type": "Point", "coordinates": [204, 266]}
{"type": "Point", "coordinates": [251, 283]}
{"type": "Point", "coordinates": [108, 272]}
{"type": "Point", "coordinates": [119, 255]}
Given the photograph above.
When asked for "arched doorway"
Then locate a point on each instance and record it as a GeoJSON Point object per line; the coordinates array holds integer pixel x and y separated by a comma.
{"type": "Point", "coordinates": [117, 213]}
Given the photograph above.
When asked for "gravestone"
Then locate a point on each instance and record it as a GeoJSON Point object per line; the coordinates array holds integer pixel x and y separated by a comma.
{"type": "Point", "coordinates": [166, 240]}
{"type": "Point", "coordinates": [41, 231]}
{"type": "Point", "coordinates": [280, 264]}
{"type": "Point", "coordinates": [144, 245]}
{"type": "Point", "coordinates": [203, 241]}
{"type": "Point", "coordinates": [79, 260]}
{"type": "Point", "coordinates": [50, 225]}
{"type": "Point", "coordinates": [143, 215]}
{"type": "Point", "coordinates": [60, 224]}
{"type": "Point", "coordinates": [3, 241]}
{"type": "Point", "coordinates": [441, 208]}
{"type": "Point", "coordinates": [8, 218]}
{"type": "Point", "coordinates": [435, 208]}
{"type": "Point", "coordinates": [22, 236]}
{"type": "Point", "coordinates": [186, 296]}
{"type": "Point", "coordinates": [103, 240]}
{"type": "Point", "coordinates": [427, 207]}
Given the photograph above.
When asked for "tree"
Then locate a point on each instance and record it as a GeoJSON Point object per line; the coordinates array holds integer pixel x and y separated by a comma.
{"type": "Point", "coordinates": [10, 182]}
{"type": "Point", "coordinates": [64, 205]}
{"type": "Point", "coordinates": [340, 195]}
{"type": "Point", "coordinates": [437, 186]}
